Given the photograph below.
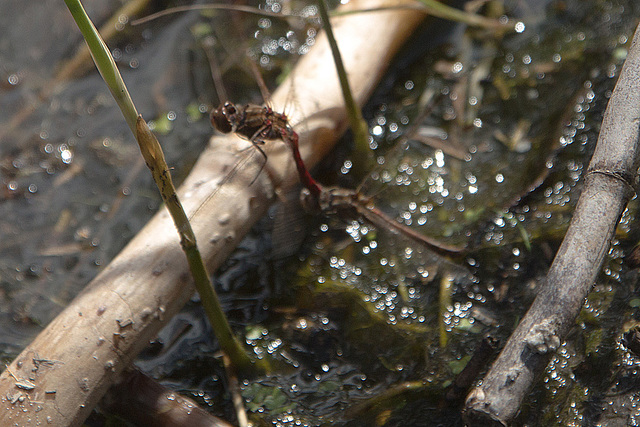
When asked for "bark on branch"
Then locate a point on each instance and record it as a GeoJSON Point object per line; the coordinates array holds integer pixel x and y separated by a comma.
{"type": "Point", "coordinates": [61, 375]}
{"type": "Point", "coordinates": [609, 185]}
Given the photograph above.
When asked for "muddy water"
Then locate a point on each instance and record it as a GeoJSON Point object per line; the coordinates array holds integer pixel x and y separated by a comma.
{"type": "Point", "coordinates": [73, 188]}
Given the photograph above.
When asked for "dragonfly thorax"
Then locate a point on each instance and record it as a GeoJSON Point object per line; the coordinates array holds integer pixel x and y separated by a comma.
{"type": "Point", "coordinates": [256, 123]}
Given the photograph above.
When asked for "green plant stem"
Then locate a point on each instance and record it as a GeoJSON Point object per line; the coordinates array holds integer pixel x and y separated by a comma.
{"type": "Point", "coordinates": [446, 286]}
{"type": "Point", "coordinates": [154, 158]}
{"type": "Point", "coordinates": [104, 62]}
{"type": "Point", "coordinates": [357, 123]}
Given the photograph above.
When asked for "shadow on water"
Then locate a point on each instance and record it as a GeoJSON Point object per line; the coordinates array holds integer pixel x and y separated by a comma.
{"type": "Point", "coordinates": [369, 328]}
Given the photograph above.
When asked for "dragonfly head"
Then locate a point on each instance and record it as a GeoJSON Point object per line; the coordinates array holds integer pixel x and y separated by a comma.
{"type": "Point", "coordinates": [223, 117]}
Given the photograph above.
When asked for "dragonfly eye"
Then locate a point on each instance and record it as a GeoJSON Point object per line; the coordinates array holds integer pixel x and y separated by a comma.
{"type": "Point", "coordinates": [229, 108]}
{"type": "Point", "coordinates": [220, 121]}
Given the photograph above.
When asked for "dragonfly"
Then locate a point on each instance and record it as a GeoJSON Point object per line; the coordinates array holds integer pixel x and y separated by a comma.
{"type": "Point", "coordinates": [260, 124]}
{"type": "Point", "coordinates": [256, 123]}
{"type": "Point", "coordinates": [348, 203]}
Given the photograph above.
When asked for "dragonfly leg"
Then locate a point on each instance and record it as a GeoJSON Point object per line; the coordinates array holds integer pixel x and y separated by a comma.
{"type": "Point", "coordinates": [257, 142]}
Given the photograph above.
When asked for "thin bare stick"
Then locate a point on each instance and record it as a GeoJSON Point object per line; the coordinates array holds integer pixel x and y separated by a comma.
{"type": "Point", "coordinates": [609, 185]}
{"type": "Point", "coordinates": [237, 8]}
{"type": "Point", "coordinates": [216, 74]}
{"type": "Point", "coordinates": [141, 400]}
{"type": "Point", "coordinates": [260, 81]}
{"type": "Point", "coordinates": [236, 395]}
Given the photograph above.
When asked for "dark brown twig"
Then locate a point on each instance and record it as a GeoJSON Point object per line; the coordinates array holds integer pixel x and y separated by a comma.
{"type": "Point", "coordinates": [141, 400]}
{"type": "Point", "coordinates": [480, 359]}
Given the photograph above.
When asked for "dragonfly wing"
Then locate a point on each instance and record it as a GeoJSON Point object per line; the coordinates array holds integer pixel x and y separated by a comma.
{"type": "Point", "coordinates": [289, 225]}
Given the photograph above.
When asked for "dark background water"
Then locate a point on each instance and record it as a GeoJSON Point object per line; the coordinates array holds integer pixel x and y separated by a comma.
{"type": "Point", "coordinates": [370, 328]}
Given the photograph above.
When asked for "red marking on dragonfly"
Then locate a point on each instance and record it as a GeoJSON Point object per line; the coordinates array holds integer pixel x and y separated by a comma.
{"type": "Point", "coordinates": [259, 124]}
